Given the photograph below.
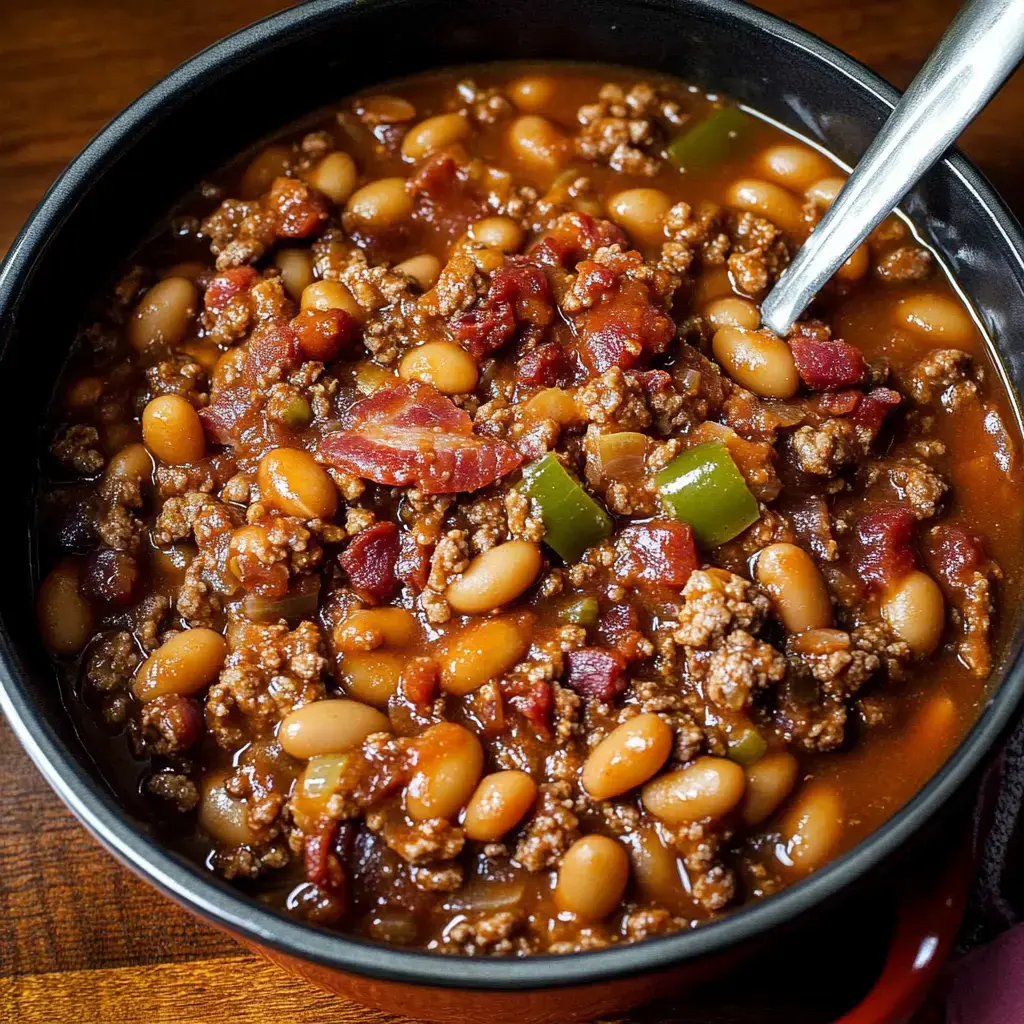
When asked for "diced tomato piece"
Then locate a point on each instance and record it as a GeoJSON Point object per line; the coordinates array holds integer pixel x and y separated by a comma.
{"type": "Point", "coordinates": [226, 285]}
{"type": "Point", "coordinates": [371, 561]}
{"type": "Point", "coordinates": [324, 334]}
{"type": "Point", "coordinates": [411, 435]}
{"type": "Point", "coordinates": [545, 366]}
{"type": "Point", "coordinates": [616, 621]}
{"type": "Point", "coordinates": [576, 236]}
{"type": "Point", "coordinates": [297, 209]}
{"type": "Point", "coordinates": [446, 195]}
{"type": "Point", "coordinates": [519, 294]}
{"type": "Point", "coordinates": [622, 329]}
{"type": "Point", "coordinates": [223, 418]}
{"type": "Point", "coordinates": [596, 672]}
{"type": "Point", "coordinates": [828, 365]}
{"type": "Point", "coordinates": [418, 682]}
{"type": "Point", "coordinates": [885, 544]}
{"type": "Point", "coordinates": [874, 407]}
{"type": "Point", "coordinates": [956, 556]}
{"type": "Point", "coordinates": [537, 705]}
{"type": "Point", "coordinates": [661, 552]}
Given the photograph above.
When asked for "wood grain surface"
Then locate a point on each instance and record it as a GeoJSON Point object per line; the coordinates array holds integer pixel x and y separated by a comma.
{"type": "Point", "coordinates": [81, 939]}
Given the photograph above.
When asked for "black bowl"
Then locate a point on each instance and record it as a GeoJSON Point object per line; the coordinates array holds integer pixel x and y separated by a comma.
{"type": "Point", "coordinates": [254, 82]}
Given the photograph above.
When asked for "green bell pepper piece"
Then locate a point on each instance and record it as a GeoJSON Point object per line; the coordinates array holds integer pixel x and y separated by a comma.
{"type": "Point", "coordinates": [573, 521]}
{"type": "Point", "coordinates": [747, 746]}
{"type": "Point", "coordinates": [703, 487]}
{"type": "Point", "coordinates": [581, 611]}
{"type": "Point", "coordinates": [710, 142]}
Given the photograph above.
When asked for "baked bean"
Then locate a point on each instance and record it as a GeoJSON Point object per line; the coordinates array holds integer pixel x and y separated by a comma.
{"type": "Point", "coordinates": [768, 200]}
{"type": "Point", "coordinates": [592, 877]}
{"type": "Point", "coordinates": [228, 367]}
{"type": "Point", "coordinates": [796, 167]}
{"type": "Point", "coordinates": [931, 729]}
{"type": "Point", "coordinates": [915, 611]}
{"type": "Point", "coordinates": [627, 757]}
{"type": "Point", "coordinates": [205, 353]}
{"type": "Point", "coordinates": [394, 627]}
{"type": "Point", "coordinates": [371, 676]}
{"type": "Point", "coordinates": [163, 314]}
{"type": "Point", "coordinates": [810, 830]}
{"type": "Point", "coordinates": [769, 781]}
{"type": "Point", "coordinates": [501, 233]}
{"type": "Point", "coordinates": [713, 283]}
{"type": "Point", "coordinates": [323, 295]}
{"type": "Point", "coordinates": [335, 175]}
{"type": "Point", "coordinates": [65, 617]}
{"type": "Point", "coordinates": [448, 761]}
{"type": "Point", "coordinates": [130, 468]}
{"type": "Point", "coordinates": [221, 816]}
{"type": "Point", "coordinates": [321, 779]}
{"type": "Point", "coordinates": [758, 361]}
{"type": "Point", "coordinates": [263, 169]}
{"type": "Point", "coordinates": [823, 193]}
{"type": "Point", "coordinates": [296, 266]}
{"type": "Point", "coordinates": [191, 269]}
{"type": "Point", "coordinates": [533, 93]}
{"type": "Point", "coordinates": [496, 577]}
{"type": "Point", "coordinates": [936, 316]}
{"type": "Point", "coordinates": [732, 311]}
{"type": "Point", "coordinates": [434, 133]}
{"type": "Point", "coordinates": [172, 430]}
{"type": "Point", "coordinates": [423, 269]}
{"type": "Point", "coordinates": [449, 367]}
{"type": "Point", "coordinates": [709, 788]}
{"type": "Point", "coordinates": [857, 265]}
{"type": "Point", "coordinates": [385, 109]}
{"type": "Point", "coordinates": [657, 870]}
{"type": "Point", "coordinates": [329, 727]}
{"type": "Point", "coordinates": [796, 586]}
{"type": "Point", "coordinates": [294, 482]}
{"type": "Point", "coordinates": [383, 203]}
{"type": "Point", "coordinates": [185, 664]}
{"type": "Point", "coordinates": [83, 393]}
{"type": "Point", "coordinates": [553, 404]}
{"type": "Point", "coordinates": [537, 143]}
{"type": "Point", "coordinates": [368, 377]}
{"type": "Point", "coordinates": [498, 805]}
{"type": "Point", "coordinates": [640, 212]}
{"type": "Point", "coordinates": [483, 652]}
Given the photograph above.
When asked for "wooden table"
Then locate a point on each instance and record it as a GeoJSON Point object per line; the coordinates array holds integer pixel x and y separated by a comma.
{"type": "Point", "coordinates": [81, 939]}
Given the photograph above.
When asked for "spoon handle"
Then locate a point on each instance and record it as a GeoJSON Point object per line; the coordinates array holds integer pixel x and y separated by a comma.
{"type": "Point", "coordinates": [978, 52]}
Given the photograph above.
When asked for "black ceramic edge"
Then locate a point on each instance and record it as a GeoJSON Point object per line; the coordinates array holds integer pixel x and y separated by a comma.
{"type": "Point", "coordinates": [96, 809]}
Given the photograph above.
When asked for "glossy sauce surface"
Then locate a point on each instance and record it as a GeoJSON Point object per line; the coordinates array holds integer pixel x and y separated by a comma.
{"type": "Point", "coordinates": [526, 718]}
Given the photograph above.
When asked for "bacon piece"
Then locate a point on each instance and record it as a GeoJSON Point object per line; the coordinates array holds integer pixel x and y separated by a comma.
{"type": "Point", "coordinates": [411, 435]}
{"type": "Point", "coordinates": [545, 366]}
{"type": "Point", "coordinates": [297, 210]}
{"type": "Point", "coordinates": [371, 561]}
{"type": "Point", "coordinates": [596, 672]}
{"type": "Point", "coordinates": [413, 567]}
{"type": "Point", "coordinates": [616, 621]}
{"type": "Point", "coordinates": [518, 295]}
{"type": "Point", "coordinates": [622, 329]}
{"type": "Point", "coordinates": [225, 286]}
{"type": "Point", "coordinates": [660, 552]}
{"type": "Point", "coordinates": [273, 352]}
{"type": "Point", "coordinates": [324, 333]}
{"type": "Point", "coordinates": [324, 854]}
{"type": "Point", "coordinates": [574, 237]}
{"type": "Point", "coordinates": [828, 365]}
{"type": "Point", "coordinates": [223, 418]}
{"type": "Point", "coordinates": [885, 544]}
{"type": "Point", "coordinates": [874, 407]}
{"type": "Point", "coordinates": [446, 195]}
{"type": "Point", "coordinates": [840, 403]}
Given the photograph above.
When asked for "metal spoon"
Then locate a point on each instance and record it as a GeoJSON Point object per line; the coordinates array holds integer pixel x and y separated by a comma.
{"type": "Point", "coordinates": [978, 52]}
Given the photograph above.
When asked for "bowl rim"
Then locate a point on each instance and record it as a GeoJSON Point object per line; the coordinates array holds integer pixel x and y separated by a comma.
{"type": "Point", "coordinates": [231, 909]}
